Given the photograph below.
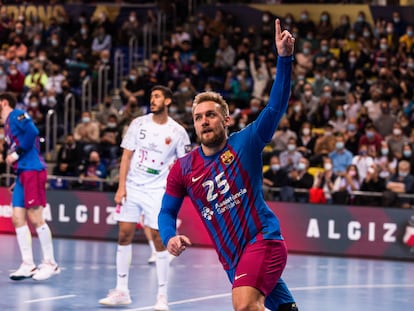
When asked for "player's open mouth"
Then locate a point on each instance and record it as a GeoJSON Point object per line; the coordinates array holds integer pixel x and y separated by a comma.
{"type": "Point", "coordinates": [205, 131]}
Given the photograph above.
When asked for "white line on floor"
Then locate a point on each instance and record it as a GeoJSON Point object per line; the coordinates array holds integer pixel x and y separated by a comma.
{"type": "Point", "coordinates": [178, 302]}
{"type": "Point", "coordinates": [50, 298]}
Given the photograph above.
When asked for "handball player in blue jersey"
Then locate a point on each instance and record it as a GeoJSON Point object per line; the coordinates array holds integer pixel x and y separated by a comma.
{"type": "Point", "coordinates": [29, 191]}
{"type": "Point", "coordinates": [223, 178]}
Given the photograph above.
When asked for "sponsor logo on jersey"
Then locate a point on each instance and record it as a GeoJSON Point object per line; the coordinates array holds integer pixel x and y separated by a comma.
{"type": "Point", "coordinates": [168, 140]}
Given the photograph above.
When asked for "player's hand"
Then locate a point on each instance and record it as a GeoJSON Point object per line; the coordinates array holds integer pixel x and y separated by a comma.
{"type": "Point", "coordinates": [178, 244]}
{"type": "Point", "coordinates": [120, 196]}
{"type": "Point", "coordinates": [10, 159]}
{"type": "Point", "coordinates": [284, 40]}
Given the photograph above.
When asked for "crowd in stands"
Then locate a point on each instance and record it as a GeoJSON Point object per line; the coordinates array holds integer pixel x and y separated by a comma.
{"type": "Point", "coordinates": [348, 126]}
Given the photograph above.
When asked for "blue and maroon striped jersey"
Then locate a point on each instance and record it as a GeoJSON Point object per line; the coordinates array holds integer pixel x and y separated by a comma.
{"type": "Point", "coordinates": [22, 136]}
{"type": "Point", "coordinates": [226, 188]}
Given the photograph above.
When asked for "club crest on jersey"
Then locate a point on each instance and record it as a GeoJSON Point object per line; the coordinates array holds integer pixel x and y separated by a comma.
{"type": "Point", "coordinates": [168, 140]}
{"type": "Point", "coordinates": [227, 157]}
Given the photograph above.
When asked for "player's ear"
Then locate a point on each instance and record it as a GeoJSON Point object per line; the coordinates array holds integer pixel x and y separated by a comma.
{"type": "Point", "coordinates": [168, 101]}
{"type": "Point", "coordinates": [226, 121]}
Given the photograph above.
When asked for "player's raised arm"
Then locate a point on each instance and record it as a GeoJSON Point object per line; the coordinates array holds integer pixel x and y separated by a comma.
{"type": "Point", "coordinates": [284, 40]}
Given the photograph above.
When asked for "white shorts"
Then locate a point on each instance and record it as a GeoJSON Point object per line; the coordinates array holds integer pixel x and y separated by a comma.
{"type": "Point", "coordinates": [140, 202]}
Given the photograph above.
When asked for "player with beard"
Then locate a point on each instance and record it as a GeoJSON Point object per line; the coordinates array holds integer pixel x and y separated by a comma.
{"type": "Point", "coordinates": [151, 145]}
{"type": "Point", "coordinates": [223, 178]}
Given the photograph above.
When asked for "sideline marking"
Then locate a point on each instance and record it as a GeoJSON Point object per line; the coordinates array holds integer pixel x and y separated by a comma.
{"type": "Point", "coordinates": [50, 298]}
{"type": "Point", "coordinates": [178, 302]}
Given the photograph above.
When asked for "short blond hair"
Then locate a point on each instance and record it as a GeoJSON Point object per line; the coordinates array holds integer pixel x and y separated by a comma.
{"type": "Point", "coordinates": [214, 97]}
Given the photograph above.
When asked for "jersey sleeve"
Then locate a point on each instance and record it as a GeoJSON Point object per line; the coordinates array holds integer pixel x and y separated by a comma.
{"type": "Point", "coordinates": [128, 142]}
{"type": "Point", "coordinates": [268, 120]}
{"type": "Point", "coordinates": [167, 217]}
{"type": "Point", "coordinates": [175, 185]}
{"type": "Point", "coordinates": [23, 123]}
{"type": "Point", "coordinates": [184, 144]}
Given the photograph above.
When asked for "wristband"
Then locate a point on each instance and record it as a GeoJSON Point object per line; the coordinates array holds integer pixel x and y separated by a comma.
{"type": "Point", "coordinates": [14, 155]}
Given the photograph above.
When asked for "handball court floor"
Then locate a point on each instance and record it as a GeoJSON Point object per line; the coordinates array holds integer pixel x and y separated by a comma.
{"type": "Point", "coordinates": [197, 281]}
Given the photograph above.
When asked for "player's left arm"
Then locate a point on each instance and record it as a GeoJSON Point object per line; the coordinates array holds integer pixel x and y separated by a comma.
{"type": "Point", "coordinates": [168, 216]}
{"type": "Point", "coordinates": [279, 95]}
{"type": "Point", "coordinates": [28, 133]}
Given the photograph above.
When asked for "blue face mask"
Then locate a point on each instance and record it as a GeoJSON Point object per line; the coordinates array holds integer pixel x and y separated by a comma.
{"type": "Point", "coordinates": [370, 134]}
{"type": "Point", "coordinates": [407, 153]}
{"type": "Point", "coordinates": [301, 166]}
{"type": "Point", "coordinates": [339, 145]}
{"type": "Point", "coordinates": [403, 174]}
{"type": "Point", "coordinates": [351, 127]}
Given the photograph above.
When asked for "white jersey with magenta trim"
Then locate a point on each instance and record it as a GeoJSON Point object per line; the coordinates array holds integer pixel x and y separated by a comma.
{"type": "Point", "coordinates": [156, 147]}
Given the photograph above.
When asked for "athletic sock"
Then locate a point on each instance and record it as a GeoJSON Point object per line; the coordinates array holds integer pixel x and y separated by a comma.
{"type": "Point", "coordinates": [24, 239]}
{"type": "Point", "coordinates": [45, 238]}
{"type": "Point", "coordinates": [152, 246]}
{"type": "Point", "coordinates": [123, 260]}
{"type": "Point", "coordinates": [162, 266]}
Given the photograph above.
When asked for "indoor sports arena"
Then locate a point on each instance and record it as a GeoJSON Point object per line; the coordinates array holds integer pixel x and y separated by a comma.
{"type": "Point", "coordinates": [338, 172]}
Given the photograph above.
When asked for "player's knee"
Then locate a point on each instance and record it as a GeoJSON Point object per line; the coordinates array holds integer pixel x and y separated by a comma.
{"type": "Point", "coordinates": [125, 237]}
{"type": "Point", "coordinates": [240, 306]}
{"type": "Point", "coordinates": [291, 306]}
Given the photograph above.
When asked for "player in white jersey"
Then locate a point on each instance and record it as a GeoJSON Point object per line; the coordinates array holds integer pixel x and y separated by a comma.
{"type": "Point", "coordinates": [151, 145]}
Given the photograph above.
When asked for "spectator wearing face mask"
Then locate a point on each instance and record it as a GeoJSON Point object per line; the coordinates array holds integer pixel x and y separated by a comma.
{"type": "Point", "coordinates": [110, 140]}
{"type": "Point", "coordinates": [339, 121]}
{"type": "Point", "coordinates": [341, 157]}
{"type": "Point", "coordinates": [106, 110]}
{"type": "Point", "coordinates": [385, 161]}
{"type": "Point", "coordinates": [55, 51]}
{"type": "Point", "coordinates": [386, 120]}
{"type": "Point", "coordinates": [275, 177]}
{"type": "Point", "coordinates": [400, 182]}
{"type": "Point", "coordinates": [282, 136]}
{"type": "Point", "coordinates": [407, 154]}
{"type": "Point", "coordinates": [309, 101]}
{"type": "Point", "coordinates": [289, 158]}
{"type": "Point", "coordinates": [408, 38]}
{"type": "Point", "coordinates": [101, 41]}
{"type": "Point", "coordinates": [3, 78]}
{"type": "Point", "coordinates": [87, 133]}
{"type": "Point", "coordinates": [15, 80]}
{"type": "Point", "coordinates": [363, 161]}
{"type": "Point", "coordinates": [323, 56]}
{"type": "Point", "coordinates": [372, 182]}
{"type": "Point", "coordinates": [371, 138]}
{"type": "Point", "coordinates": [134, 85]}
{"type": "Point", "coordinates": [306, 140]}
{"type": "Point", "coordinates": [37, 76]}
{"type": "Point", "coordinates": [352, 135]}
{"type": "Point", "coordinates": [325, 142]}
{"type": "Point", "coordinates": [345, 184]}
{"type": "Point", "coordinates": [298, 178]}
{"type": "Point", "coordinates": [95, 169]}
{"type": "Point", "coordinates": [396, 140]}
{"type": "Point", "coordinates": [325, 180]}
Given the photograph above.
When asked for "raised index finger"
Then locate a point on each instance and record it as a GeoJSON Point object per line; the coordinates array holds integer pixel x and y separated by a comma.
{"type": "Point", "coordinates": [278, 30]}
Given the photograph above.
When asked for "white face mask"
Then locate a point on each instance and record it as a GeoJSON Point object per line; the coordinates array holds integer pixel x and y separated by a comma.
{"type": "Point", "coordinates": [327, 166]}
{"type": "Point", "coordinates": [306, 131]}
{"type": "Point", "coordinates": [275, 167]}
